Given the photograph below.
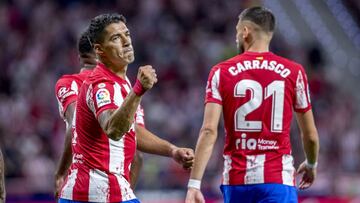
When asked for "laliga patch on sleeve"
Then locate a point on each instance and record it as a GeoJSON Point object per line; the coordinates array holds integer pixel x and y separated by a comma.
{"type": "Point", "coordinates": [102, 97]}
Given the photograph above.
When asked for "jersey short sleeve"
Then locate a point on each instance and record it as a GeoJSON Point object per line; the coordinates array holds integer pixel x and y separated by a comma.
{"type": "Point", "coordinates": [212, 88]}
{"type": "Point", "coordinates": [302, 101]}
{"type": "Point", "coordinates": [103, 95]}
{"type": "Point", "coordinates": [66, 91]}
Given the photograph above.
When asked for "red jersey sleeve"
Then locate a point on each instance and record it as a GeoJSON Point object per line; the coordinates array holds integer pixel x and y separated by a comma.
{"type": "Point", "coordinates": [212, 87]}
{"type": "Point", "coordinates": [66, 91]}
{"type": "Point", "coordinates": [301, 102]}
{"type": "Point", "coordinates": [103, 95]}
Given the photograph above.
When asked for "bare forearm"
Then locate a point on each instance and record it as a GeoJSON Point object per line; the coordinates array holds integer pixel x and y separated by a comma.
{"type": "Point", "coordinates": [203, 152]}
{"type": "Point", "coordinates": [66, 156]}
{"type": "Point", "coordinates": [311, 147]}
{"type": "Point", "coordinates": [135, 169]}
{"type": "Point", "coordinates": [2, 179]}
{"type": "Point", "coordinates": [150, 143]}
{"type": "Point", "coordinates": [122, 118]}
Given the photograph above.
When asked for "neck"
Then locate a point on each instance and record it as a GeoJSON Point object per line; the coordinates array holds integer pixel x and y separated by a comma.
{"type": "Point", "coordinates": [119, 70]}
{"type": "Point", "coordinates": [259, 44]}
{"type": "Point", "coordinates": [85, 67]}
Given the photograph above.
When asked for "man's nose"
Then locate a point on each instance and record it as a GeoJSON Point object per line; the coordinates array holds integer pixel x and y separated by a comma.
{"type": "Point", "coordinates": [126, 41]}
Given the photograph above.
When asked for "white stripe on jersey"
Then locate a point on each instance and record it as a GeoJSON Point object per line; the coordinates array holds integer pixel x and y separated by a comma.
{"type": "Point", "coordinates": [74, 87]}
{"type": "Point", "coordinates": [301, 100]}
{"type": "Point", "coordinates": [215, 85]}
{"type": "Point", "coordinates": [125, 189]}
{"type": "Point", "coordinates": [118, 98]}
{"type": "Point", "coordinates": [227, 168]}
{"type": "Point", "coordinates": [117, 155]}
{"type": "Point", "coordinates": [98, 186]}
{"type": "Point", "coordinates": [288, 170]}
{"type": "Point", "coordinates": [67, 191]}
{"type": "Point", "coordinates": [254, 169]}
{"type": "Point", "coordinates": [89, 99]}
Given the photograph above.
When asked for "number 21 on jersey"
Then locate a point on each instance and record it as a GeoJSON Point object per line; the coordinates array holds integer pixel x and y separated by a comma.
{"type": "Point", "coordinates": [274, 89]}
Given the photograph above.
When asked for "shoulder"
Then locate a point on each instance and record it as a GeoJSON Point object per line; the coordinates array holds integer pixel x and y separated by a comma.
{"type": "Point", "coordinates": [97, 77]}
{"type": "Point", "coordinates": [65, 80]}
{"type": "Point", "coordinates": [288, 62]}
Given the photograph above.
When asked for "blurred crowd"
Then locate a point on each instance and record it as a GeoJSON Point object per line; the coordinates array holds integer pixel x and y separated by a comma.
{"type": "Point", "coordinates": [182, 40]}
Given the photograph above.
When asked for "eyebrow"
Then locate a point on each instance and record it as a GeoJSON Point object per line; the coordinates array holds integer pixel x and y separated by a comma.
{"type": "Point", "coordinates": [119, 33]}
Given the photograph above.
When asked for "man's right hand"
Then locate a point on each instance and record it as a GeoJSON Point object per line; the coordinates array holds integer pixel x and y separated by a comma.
{"type": "Point", "coordinates": [194, 196]}
{"type": "Point", "coordinates": [147, 76]}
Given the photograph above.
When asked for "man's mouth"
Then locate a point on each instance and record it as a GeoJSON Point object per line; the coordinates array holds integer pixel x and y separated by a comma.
{"type": "Point", "coordinates": [128, 49]}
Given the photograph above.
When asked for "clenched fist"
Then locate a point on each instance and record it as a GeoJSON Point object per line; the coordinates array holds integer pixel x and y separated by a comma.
{"type": "Point", "coordinates": [147, 76]}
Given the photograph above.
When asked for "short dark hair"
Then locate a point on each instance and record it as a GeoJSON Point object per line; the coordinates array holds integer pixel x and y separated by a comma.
{"type": "Point", "coordinates": [261, 16]}
{"type": "Point", "coordinates": [84, 44]}
{"type": "Point", "coordinates": [99, 23]}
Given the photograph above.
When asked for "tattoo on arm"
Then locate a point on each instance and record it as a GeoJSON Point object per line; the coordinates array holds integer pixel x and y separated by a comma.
{"type": "Point", "coordinates": [116, 123]}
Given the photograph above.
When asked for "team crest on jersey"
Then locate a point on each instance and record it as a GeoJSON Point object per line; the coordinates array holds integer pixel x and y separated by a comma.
{"type": "Point", "coordinates": [102, 97]}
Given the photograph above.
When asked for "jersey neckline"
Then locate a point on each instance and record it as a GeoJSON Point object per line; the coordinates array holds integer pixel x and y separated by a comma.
{"type": "Point", "coordinates": [257, 53]}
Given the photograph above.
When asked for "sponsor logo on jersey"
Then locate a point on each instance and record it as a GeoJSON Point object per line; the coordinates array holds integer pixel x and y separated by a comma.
{"type": "Point", "coordinates": [255, 144]}
{"type": "Point", "coordinates": [65, 92]}
{"type": "Point", "coordinates": [102, 97]}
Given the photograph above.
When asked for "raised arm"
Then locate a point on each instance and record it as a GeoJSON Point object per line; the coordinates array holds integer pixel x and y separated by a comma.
{"type": "Point", "coordinates": [66, 155]}
{"type": "Point", "coordinates": [310, 140]}
{"type": "Point", "coordinates": [116, 123]}
{"type": "Point", "coordinates": [204, 147]}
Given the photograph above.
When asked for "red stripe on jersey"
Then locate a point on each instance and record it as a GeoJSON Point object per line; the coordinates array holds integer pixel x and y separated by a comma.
{"type": "Point", "coordinates": [81, 188]}
{"type": "Point", "coordinates": [273, 168]}
{"type": "Point", "coordinates": [114, 189]}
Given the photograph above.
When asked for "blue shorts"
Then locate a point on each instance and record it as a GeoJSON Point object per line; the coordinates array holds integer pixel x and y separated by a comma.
{"type": "Point", "coordinates": [73, 201]}
{"type": "Point", "coordinates": [259, 193]}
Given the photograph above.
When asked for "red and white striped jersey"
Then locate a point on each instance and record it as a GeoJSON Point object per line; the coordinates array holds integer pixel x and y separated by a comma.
{"type": "Point", "coordinates": [67, 89]}
{"type": "Point", "coordinates": [258, 93]}
{"type": "Point", "coordinates": [102, 172]}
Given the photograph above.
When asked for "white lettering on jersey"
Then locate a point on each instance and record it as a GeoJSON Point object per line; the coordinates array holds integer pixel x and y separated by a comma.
{"type": "Point", "coordinates": [255, 144]}
{"type": "Point", "coordinates": [263, 64]}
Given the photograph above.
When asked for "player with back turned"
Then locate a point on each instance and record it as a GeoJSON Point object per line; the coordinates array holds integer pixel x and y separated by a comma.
{"type": "Point", "coordinates": [257, 92]}
{"type": "Point", "coordinates": [106, 120]}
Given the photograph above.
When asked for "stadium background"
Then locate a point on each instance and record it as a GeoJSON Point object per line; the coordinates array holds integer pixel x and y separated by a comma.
{"type": "Point", "coordinates": [182, 39]}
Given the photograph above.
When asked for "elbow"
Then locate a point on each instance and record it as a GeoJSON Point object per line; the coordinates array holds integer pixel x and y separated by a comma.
{"type": "Point", "coordinates": [117, 132]}
{"type": "Point", "coordinates": [311, 137]}
{"type": "Point", "coordinates": [208, 132]}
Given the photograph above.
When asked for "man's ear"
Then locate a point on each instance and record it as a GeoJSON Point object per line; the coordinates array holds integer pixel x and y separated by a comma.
{"type": "Point", "coordinates": [98, 49]}
{"type": "Point", "coordinates": [245, 32]}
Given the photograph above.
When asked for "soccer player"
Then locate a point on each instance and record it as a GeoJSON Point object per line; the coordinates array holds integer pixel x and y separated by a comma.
{"type": "Point", "coordinates": [105, 112]}
{"type": "Point", "coordinates": [66, 90]}
{"type": "Point", "coordinates": [257, 92]}
{"type": "Point", "coordinates": [2, 179]}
